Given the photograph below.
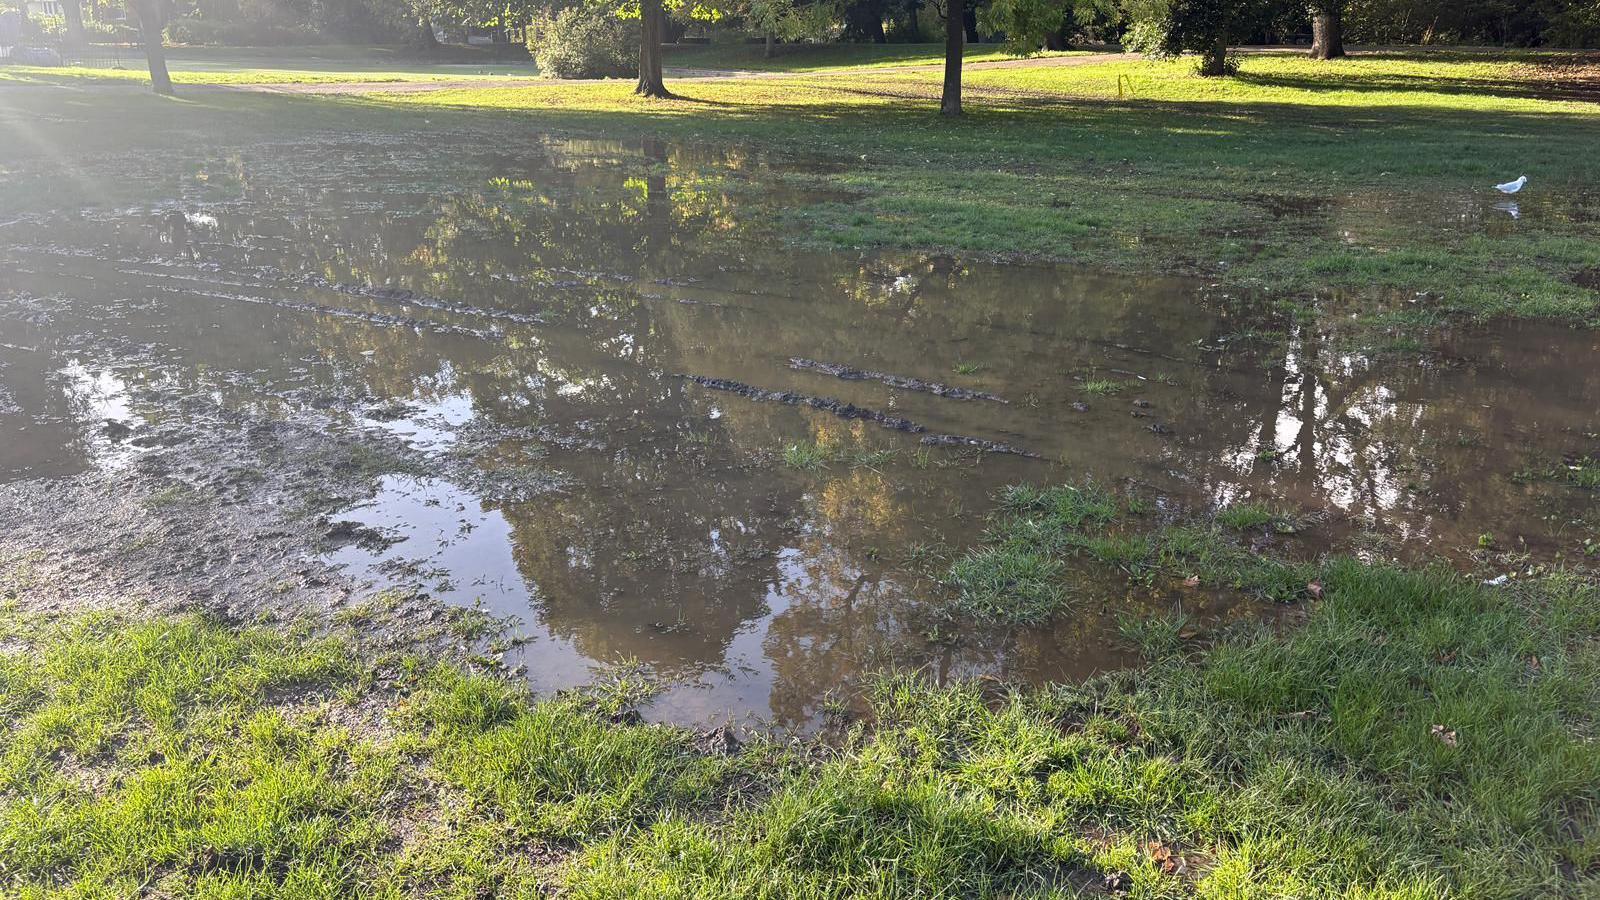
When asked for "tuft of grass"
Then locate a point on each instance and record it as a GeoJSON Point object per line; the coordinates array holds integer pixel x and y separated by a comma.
{"type": "Point", "coordinates": [1155, 637]}
{"type": "Point", "coordinates": [1101, 387]}
{"type": "Point", "coordinates": [1253, 516]}
{"type": "Point", "coordinates": [1009, 584]}
{"type": "Point", "coordinates": [806, 456]}
{"type": "Point", "coordinates": [1584, 472]}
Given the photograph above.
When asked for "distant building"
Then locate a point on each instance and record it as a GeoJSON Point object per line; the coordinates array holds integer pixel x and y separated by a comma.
{"type": "Point", "coordinates": [43, 8]}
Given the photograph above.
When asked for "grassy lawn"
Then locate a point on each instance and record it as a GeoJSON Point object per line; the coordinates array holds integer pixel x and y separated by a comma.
{"type": "Point", "coordinates": [826, 57]}
{"type": "Point", "coordinates": [1418, 736]}
{"type": "Point", "coordinates": [291, 65]}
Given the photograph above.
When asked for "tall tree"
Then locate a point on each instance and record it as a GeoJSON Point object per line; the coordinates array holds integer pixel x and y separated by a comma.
{"type": "Point", "coordinates": [1327, 29]}
{"type": "Point", "coordinates": [72, 20]}
{"type": "Point", "coordinates": [1210, 27]}
{"type": "Point", "coordinates": [954, 42]}
{"type": "Point", "coordinates": [152, 16]}
{"type": "Point", "coordinates": [1032, 25]}
{"type": "Point", "coordinates": [650, 82]}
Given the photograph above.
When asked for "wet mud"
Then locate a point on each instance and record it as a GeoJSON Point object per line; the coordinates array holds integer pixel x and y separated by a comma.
{"type": "Point", "coordinates": [895, 381]}
{"type": "Point", "coordinates": [301, 376]}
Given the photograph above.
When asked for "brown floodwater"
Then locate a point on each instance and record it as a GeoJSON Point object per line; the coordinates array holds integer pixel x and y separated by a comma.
{"type": "Point", "coordinates": [616, 337]}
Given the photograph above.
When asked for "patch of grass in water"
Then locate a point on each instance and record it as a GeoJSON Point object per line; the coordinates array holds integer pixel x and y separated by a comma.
{"type": "Point", "coordinates": [1009, 584]}
{"type": "Point", "coordinates": [1580, 471]}
{"type": "Point", "coordinates": [806, 456]}
{"type": "Point", "coordinates": [1035, 531]}
{"type": "Point", "coordinates": [1248, 516]}
{"type": "Point", "coordinates": [1155, 637]}
{"type": "Point", "coordinates": [1101, 387]}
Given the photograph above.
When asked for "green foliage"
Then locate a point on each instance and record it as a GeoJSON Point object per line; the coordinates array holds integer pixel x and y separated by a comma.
{"type": "Point", "coordinates": [586, 41]}
{"type": "Point", "coordinates": [1028, 25]}
{"type": "Point", "coordinates": [1210, 26]}
{"type": "Point", "coordinates": [1524, 23]}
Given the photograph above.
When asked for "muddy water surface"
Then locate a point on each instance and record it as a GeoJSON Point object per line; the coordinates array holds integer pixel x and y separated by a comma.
{"type": "Point", "coordinates": [603, 362]}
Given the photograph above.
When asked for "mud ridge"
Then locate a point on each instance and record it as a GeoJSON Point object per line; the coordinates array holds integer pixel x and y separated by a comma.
{"type": "Point", "coordinates": [212, 274]}
{"type": "Point", "coordinates": [846, 410]}
{"type": "Point", "coordinates": [379, 319]}
{"type": "Point", "coordinates": [903, 382]}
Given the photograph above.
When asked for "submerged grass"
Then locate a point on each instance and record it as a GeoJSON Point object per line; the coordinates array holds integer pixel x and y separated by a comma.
{"type": "Point", "coordinates": [1421, 736]}
{"type": "Point", "coordinates": [1019, 574]}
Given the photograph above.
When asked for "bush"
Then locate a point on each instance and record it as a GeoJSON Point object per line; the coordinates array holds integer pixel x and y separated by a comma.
{"type": "Point", "coordinates": [586, 42]}
{"type": "Point", "coordinates": [239, 33]}
{"type": "Point", "coordinates": [1147, 38]}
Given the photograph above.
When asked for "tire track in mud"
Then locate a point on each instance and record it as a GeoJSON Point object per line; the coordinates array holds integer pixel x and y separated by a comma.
{"type": "Point", "coordinates": [210, 280]}
{"type": "Point", "coordinates": [846, 410]}
{"type": "Point", "coordinates": [904, 382]}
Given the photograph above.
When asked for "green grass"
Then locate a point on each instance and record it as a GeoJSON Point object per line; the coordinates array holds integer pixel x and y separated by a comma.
{"type": "Point", "coordinates": [1101, 387]}
{"type": "Point", "coordinates": [825, 57]}
{"type": "Point", "coordinates": [1249, 516]}
{"type": "Point", "coordinates": [1420, 736]}
{"type": "Point", "coordinates": [287, 65]}
{"type": "Point", "coordinates": [806, 456]}
{"type": "Point", "coordinates": [1021, 573]}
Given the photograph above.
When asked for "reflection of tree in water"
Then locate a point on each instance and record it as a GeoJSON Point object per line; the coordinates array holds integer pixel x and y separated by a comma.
{"type": "Point", "coordinates": [1414, 448]}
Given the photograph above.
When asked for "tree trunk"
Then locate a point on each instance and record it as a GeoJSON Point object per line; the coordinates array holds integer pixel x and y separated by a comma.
{"type": "Point", "coordinates": [425, 38]}
{"type": "Point", "coordinates": [768, 52]}
{"type": "Point", "coordinates": [151, 22]}
{"type": "Point", "coordinates": [950, 100]}
{"type": "Point", "coordinates": [72, 16]}
{"type": "Point", "coordinates": [1327, 32]}
{"type": "Point", "coordinates": [650, 83]}
{"type": "Point", "coordinates": [1216, 59]}
{"type": "Point", "coordinates": [969, 21]}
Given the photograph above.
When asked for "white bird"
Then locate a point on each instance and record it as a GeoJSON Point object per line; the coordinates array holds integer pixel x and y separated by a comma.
{"type": "Point", "coordinates": [1511, 187]}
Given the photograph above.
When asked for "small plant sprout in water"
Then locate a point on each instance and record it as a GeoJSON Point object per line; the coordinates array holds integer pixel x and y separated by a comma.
{"type": "Point", "coordinates": [969, 368]}
{"type": "Point", "coordinates": [870, 459]}
{"type": "Point", "coordinates": [807, 456]}
{"type": "Point", "coordinates": [1101, 387]}
{"type": "Point", "coordinates": [1252, 515]}
{"type": "Point", "coordinates": [1156, 637]}
{"type": "Point", "coordinates": [622, 687]}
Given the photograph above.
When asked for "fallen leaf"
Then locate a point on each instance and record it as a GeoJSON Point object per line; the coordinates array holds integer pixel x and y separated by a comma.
{"type": "Point", "coordinates": [1446, 735]}
{"type": "Point", "coordinates": [1534, 664]}
{"type": "Point", "coordinates": [1192, 581]}
{"type": "Point", "coordinates": [1168, 862]}
{"type": "Point", "coordinates": [1315, 589]}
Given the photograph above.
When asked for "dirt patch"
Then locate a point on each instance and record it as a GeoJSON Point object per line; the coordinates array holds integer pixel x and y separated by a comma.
{"type": "Point", "coordinates": [1575, 77]}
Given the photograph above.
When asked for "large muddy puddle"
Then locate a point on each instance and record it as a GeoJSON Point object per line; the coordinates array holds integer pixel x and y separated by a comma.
{"type": "Point", "coordinates": [646, 428]}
